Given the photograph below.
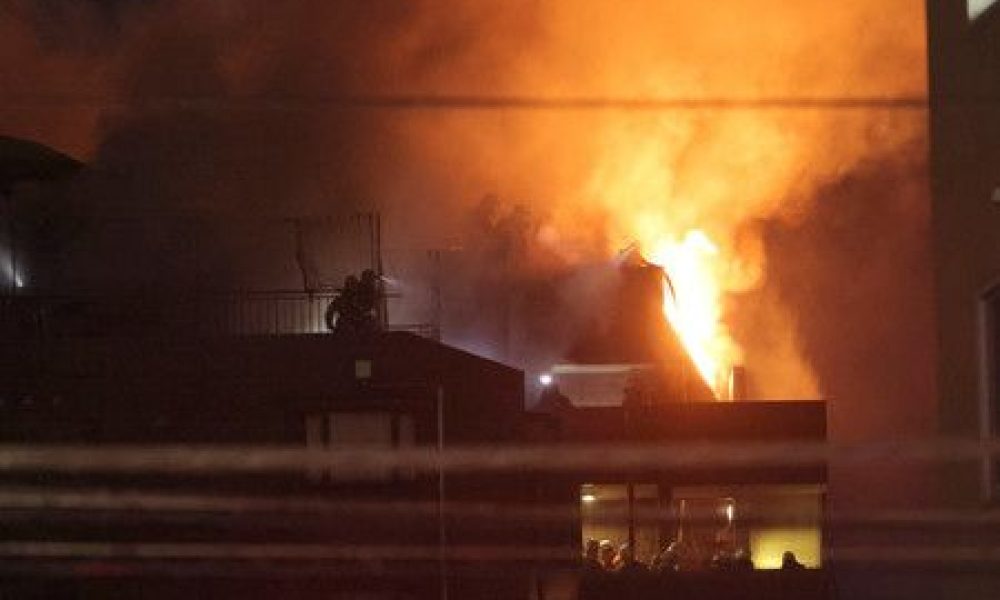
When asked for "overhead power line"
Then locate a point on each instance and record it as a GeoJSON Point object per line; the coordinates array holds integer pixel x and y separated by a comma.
{"type": "Point", "coordinates": [465, 102]}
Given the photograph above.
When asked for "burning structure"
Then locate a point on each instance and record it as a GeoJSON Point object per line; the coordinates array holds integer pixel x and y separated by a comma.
{"type": "Point", "coordinates": [334, 101]}
{"type": "Point", "coordinates": [630, 379]}
{"type": "Point", "coordinates": [149, 379]}
{"type": "Point", "coordinates": [718, 162]}
{"type": "Point", "coordinates": [629, 348]}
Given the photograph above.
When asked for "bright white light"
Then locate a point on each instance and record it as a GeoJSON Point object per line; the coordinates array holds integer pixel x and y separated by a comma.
{"type": "Point", "coordinates": [977, 7]}
{"type": "Point", "coordinates": [588, 498]}
{"type": "Point", "coordinates": [730, 512]}
{"type": "Point", "coordinates": [8, 274]}
{"type": "Point", "coordinates": [545, 379]}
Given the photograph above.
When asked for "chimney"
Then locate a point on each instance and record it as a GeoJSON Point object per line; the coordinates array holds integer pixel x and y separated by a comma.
{"type": "Point", "coordinates": [738, 383]}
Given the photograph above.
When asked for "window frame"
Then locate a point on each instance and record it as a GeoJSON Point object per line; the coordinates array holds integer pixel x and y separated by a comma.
{"type": "Point", "coordinates": [402, 434]}
{"type": "Point", "coordinates": [989, 391]}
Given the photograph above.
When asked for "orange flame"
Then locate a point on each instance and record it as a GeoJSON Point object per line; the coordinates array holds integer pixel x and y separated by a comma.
{"type": "Point", "coordinates": [685, 221]}
{"type": "Point", "coordinates": [692, 302]}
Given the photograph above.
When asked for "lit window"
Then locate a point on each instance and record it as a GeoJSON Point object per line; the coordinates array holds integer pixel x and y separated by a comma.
{"type": "Point", "coordinates": [363, 369]}
{"type": "Point", "coordinates": [760, 521]}
{"type": "Point", "coordinates": [977, 7]}
{"type": "Point", "coordinates": [623, 514]}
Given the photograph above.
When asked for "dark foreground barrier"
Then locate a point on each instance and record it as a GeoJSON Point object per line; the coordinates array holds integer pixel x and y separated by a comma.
{"type": "Point", "coordinates": [755, 585]}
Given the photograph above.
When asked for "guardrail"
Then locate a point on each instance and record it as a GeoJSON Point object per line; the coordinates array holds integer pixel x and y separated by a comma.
{"type": "Point", "coordinates": [270, 312]}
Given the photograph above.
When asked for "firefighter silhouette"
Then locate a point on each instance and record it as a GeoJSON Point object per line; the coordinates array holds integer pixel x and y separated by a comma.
{"type": "Point", "coordinates": [353, 308]}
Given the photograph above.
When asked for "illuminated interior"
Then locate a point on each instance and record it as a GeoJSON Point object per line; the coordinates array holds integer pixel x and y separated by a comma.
{"type": "Point", "coordinates": [762, 520]}
{"type": "Point", "coordinates": [608, 514]}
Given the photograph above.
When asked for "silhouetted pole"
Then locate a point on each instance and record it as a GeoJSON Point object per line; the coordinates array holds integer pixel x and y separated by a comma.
{"type": "Point", "coordinates": [436, 292]}
{"type": "Point", "coordinates": [442, 528]}
{"type": "Point", "coordinates": [382, 309]}
{"type": "Point", "coordinates": [630, 490]}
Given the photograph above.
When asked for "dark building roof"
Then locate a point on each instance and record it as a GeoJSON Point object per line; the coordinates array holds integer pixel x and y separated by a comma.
{"type": "Point", "coordinates": [24, 160]}
{"type": "Point", "coordinates": [253, 388]}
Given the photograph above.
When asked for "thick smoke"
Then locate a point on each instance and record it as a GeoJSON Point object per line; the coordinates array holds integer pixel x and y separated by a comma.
{"type": "Point", "coordinates": [857, 269]}
{"type": "Point", "coordinates": [233, 108]}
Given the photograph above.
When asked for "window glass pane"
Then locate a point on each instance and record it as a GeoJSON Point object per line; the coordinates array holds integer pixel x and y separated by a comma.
{"type": "Point", "coordinates": [761, 521]}
{"type": "Point", "coordinates": [788, 522]}
{"type": "Point", "coordinates": [607, 516]}
{"type": "Point", "coordinates": [704, 528]}
{"type": "Point", "coordinates": [360, 429]}
{"type": "Point", "coordinates": [314, 425]}
{"type": "Point", "coordinates": [648, 519]}
{"type": "Point", "coordinates": [604, 516]}
{"type": "Point", "coordinates": [363, 369]}
{"type": "Point", "coordinates": [369, 430]}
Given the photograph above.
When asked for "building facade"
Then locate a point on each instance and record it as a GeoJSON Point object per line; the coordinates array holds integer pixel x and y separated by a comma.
{"type": "Point", "coordinates": [964, 60]}
{"type": "Point", "coordinates": [184, 368]}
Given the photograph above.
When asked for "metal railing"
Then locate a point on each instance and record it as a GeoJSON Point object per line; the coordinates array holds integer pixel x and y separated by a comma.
{"type": "Point", "coordinates": [271, 312]}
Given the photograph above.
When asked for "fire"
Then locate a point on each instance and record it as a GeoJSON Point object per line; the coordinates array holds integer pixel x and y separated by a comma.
{"type": "Point", "coordinates": [692, 301]}
{"type": "Point", "coordinates": [684, 214]}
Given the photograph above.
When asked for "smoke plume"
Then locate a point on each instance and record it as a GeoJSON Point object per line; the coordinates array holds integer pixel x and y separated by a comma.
{"type": "Point", "coordinates": [239, 108]}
